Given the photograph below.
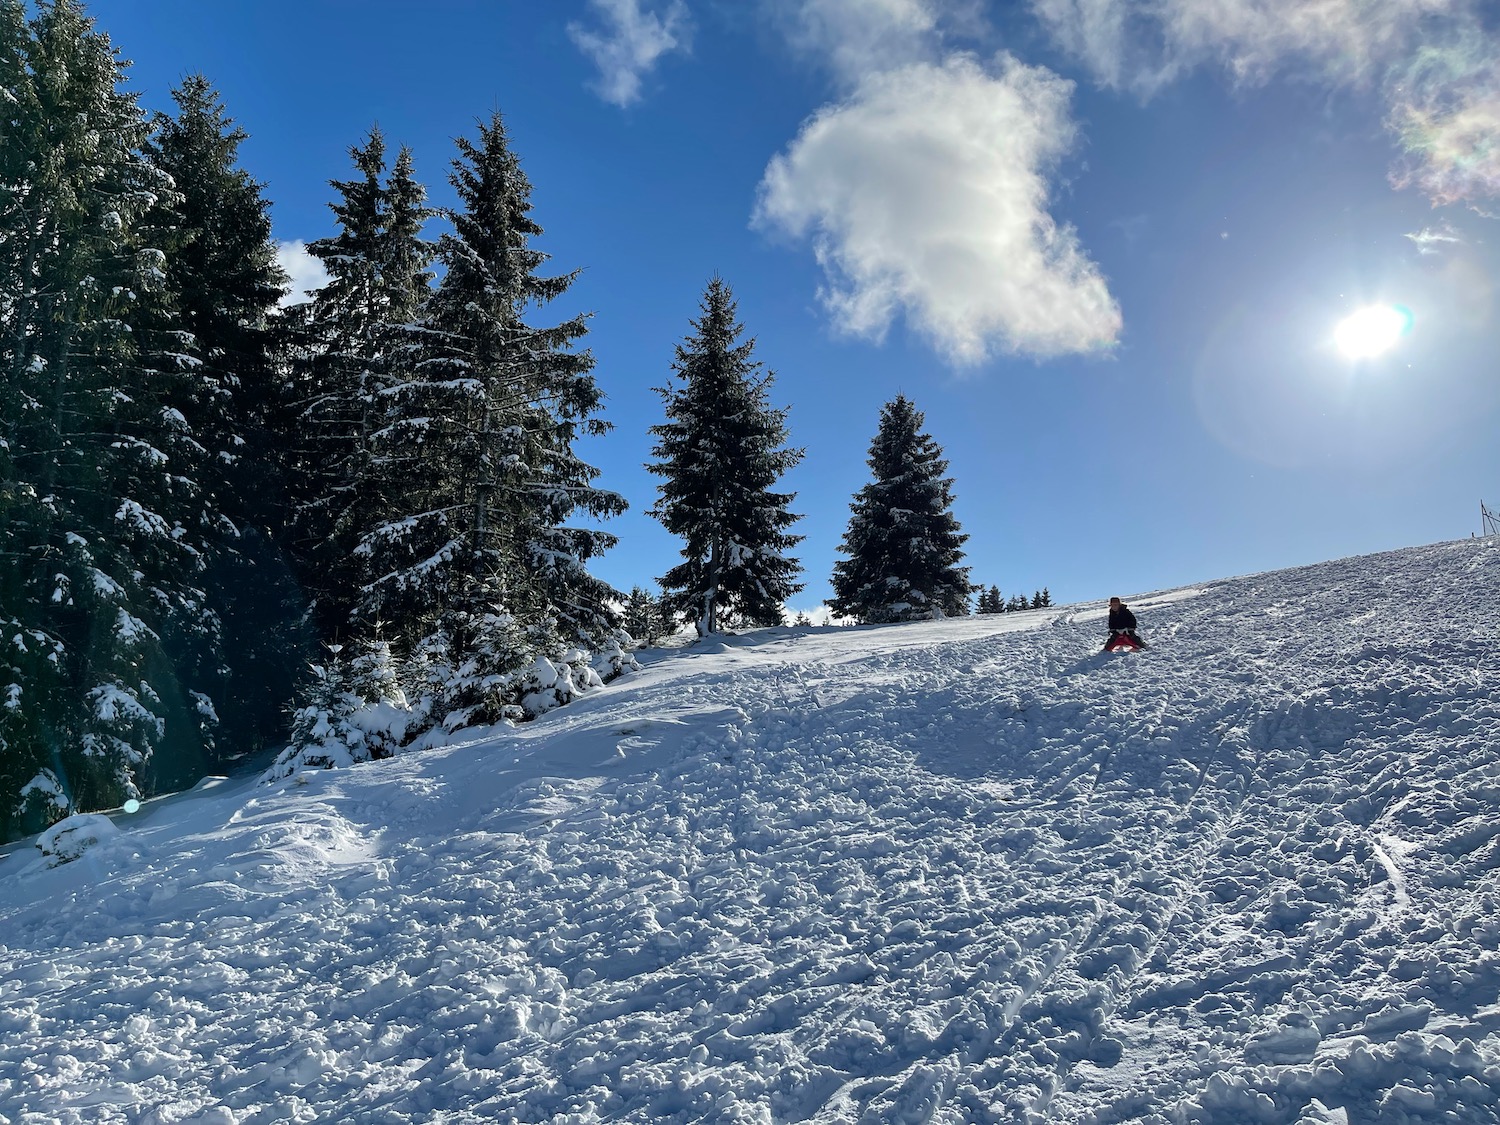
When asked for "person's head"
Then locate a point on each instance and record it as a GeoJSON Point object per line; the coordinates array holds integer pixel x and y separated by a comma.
{"type": "Point", "coordinates": [1115, 603]}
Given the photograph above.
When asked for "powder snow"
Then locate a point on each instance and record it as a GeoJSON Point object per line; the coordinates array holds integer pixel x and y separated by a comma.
{"type": "Point", "coordinates": [961, 871]}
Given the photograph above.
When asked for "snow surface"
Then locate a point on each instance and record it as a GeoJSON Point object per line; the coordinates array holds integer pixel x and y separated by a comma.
{"type": "Point", "coordinates": [965, 871]}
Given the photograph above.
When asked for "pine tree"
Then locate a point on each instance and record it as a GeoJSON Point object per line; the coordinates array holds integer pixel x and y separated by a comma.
{"type": "Point", "coordinates": [101, 591]}
{"type": "Point", "coordinates": [903, 542]}
{"type": "Point", "coordinates": [990, 600]}
{"type": "Point", "coordinates": [719, 453]}
{"type": "Point", "coordinates": [476, 442]}
{"type": "Point", "coordinates": [1045, 599]}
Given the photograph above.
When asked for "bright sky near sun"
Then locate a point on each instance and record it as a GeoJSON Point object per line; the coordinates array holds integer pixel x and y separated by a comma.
{"type": "Point", "coordinates": [1184, 290]}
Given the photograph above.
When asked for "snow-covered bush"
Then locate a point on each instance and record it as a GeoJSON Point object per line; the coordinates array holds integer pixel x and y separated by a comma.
{"type": "Point", "coordinates": [468, 673]}
{"type": "Point", "coordinates": [511, 674]}
{"type": "Point", "coordinates": [353, 711]}
{"type": "Point", "coordinates": [616, 656]}
{"type": "Point", "coordinates": [42, 800]}
{"type": "Point", "coordinates": [549, 685]}
{"type": "Point", "coordinates": [473, 671]}
{"type": "Point", "coordinates": [70, 837]}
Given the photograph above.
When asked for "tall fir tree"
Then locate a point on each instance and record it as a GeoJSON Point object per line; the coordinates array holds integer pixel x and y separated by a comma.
{"type": "Point", "coordinates": [719, 454]}
{"type": "Point", "coordinates": [354, 346]}
{"type": "Point", "coordinates": [103, 548]}
{"type": "Point", "coordinates": [476, 551]}
{"type": "Point", "coordinates": [903, 543]}
{"type": "Point", "coordinates": [224, 283]}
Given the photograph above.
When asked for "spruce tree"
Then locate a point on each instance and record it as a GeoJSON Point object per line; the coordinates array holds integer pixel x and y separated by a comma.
{"type": "Point", "coordinates": [356, 345]}
{"type": "Point", "coordinates": [720, 452]}
{"type": "Point", "coordinates": [475, 554]}
{"type": "Point", "coordinates": [107, 620]}
{"type": "Point", "coordinates": [643, 618]}
{"type": "Point", "coordinates": [224, 283]}
{"type": "Point", "coordinates": [903, 542]}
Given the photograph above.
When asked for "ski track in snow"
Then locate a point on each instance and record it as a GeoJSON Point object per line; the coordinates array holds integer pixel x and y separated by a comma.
{"type": "Point", "coordinates": [958, 872]}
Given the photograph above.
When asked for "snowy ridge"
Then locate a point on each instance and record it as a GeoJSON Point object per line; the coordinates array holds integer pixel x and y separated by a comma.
{"type": "Point", "coordinates": [967, 871]}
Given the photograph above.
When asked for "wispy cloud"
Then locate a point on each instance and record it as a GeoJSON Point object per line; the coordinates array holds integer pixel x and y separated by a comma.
{"type": "Point", "coordinates": [855, 37]}
{"type": "Point", "coordinates": [306, 272]}
{"type": "Point", "coordinates": [1445, 107]}
{"type": "Point", "coordinates": [634, 35]}
{"type": "Point", "coordinates": [925, 193]}
{"type": "Point", "coordinates": [1141, 47]}
{"type": "Point", "coordinates": [1434, 61]}
{"type": "Point", "coordinates": [1431, 240]}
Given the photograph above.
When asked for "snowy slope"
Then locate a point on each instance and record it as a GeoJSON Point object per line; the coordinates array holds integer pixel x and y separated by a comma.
{"type": "Point", "coordinates": [953, 872]}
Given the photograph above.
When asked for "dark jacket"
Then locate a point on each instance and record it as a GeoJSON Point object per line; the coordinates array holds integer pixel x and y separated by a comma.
{"type": "Point", "coordinates": [1120, 618]}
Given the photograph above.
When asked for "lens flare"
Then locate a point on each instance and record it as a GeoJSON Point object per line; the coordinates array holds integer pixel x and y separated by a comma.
{"type": "Point", "coordinates": [1371, 331]}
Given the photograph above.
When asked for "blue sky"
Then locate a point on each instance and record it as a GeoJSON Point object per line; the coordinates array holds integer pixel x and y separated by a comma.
{"type": "Point", "coordinates": [1103, 245]}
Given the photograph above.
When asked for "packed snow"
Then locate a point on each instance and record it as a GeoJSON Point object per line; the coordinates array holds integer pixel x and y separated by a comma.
{"type": "Point", "coordinates": [960, 871]}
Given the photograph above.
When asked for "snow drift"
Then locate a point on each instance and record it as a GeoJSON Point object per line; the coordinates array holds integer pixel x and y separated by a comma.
{"type": "Point", "coordinates": [966, 871]}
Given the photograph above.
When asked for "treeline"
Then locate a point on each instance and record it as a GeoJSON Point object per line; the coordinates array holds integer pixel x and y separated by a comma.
{"type": "Point", "coordinates": [370, 502]}
{"type": "Point", "coordinates": [198, 493]}
{"type": "Point", "coordinates": [991, 601]}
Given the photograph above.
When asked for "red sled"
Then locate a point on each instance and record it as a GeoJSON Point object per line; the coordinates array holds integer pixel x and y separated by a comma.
{"type": "Point", "coordinates": [1127, 641]}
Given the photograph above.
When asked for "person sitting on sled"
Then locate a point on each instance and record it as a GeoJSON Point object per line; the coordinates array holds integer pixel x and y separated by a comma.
{"type": "Point", "coordinates": [1122, 627]}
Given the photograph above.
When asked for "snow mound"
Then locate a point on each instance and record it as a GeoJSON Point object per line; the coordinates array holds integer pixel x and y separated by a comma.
{"type": "Point", "coordinates": [70, 837]}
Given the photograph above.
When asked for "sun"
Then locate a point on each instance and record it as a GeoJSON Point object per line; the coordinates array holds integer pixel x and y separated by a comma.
{"type": "Point", "coordinates": [1371, 331]}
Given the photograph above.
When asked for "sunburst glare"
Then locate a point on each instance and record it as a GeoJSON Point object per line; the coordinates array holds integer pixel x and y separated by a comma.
{"type": "Point", "coordinates": [1371, 331]}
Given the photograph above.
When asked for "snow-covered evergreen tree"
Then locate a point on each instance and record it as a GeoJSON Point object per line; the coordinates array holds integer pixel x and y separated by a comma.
{"type": "Point", "coordinates": [355, 347]}
{"type": "Point", "coordinates": [719, 454]}
{"type": "Point", "coordinates": [644, 618]}
{"type": "Point", "coordinates": [224, 283]}
{"type": "Point", "coordinates": [476, 442]}
{"type": "Point", "coordinates": [903, 543]}
{"type": "Point", "coordinates": [107, 620]}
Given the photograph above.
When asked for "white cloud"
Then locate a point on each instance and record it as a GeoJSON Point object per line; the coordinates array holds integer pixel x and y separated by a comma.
{"type": "Point", "coordinates": [857, 36]}
{"type": "Point", "coordinates": [1435, 62]}
{"type": "Point", "coordinates": [305, 271]}
{"type": "Point", "coordinates": [925, 194]}
{"type": "Point", "coordinates": [632, 40]}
